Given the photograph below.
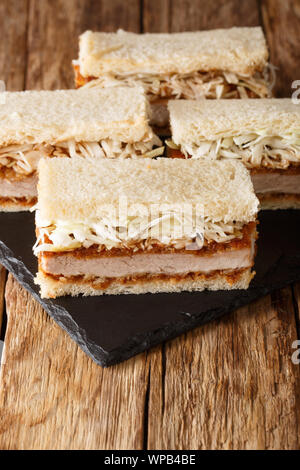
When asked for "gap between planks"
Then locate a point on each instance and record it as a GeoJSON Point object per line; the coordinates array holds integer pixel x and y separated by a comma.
{"type": "Point", "coordinates": [2, 291]}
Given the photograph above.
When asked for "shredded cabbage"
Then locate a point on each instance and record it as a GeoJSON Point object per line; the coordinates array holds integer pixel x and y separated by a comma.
{"type": "Point", "coordinates": [23, 159]}
{"type": "Point", "coordinates": [109, 148]}
{"type": "Point", "coordinates": [164, 229]}
{"type": "Point", "coordinates": [254, 150]}
{"type": "Point", "coordinates": [194, 86]}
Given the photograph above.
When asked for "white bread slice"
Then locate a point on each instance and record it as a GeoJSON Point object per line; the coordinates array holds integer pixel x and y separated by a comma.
{"type": "Point", "coordinates": [195, 121]}
{"type": "Point", "coordinates": [76, 189]}
{"type": "Point", "coordinates": [240, 50]}
{"type": "Point", "coordinates": [51, 288]}
{"type": "Point", "coordinates": [83, 115]}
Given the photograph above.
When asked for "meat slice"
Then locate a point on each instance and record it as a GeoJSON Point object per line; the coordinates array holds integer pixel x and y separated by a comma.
{"type": "Point", "coordinates": [160, 113]}
{"type": "Point", "coordinates": [281, 181]}
{"type": "Point", "coordinates": [66, 264]}
{"type": "Point", "coordinates": [19, 188]}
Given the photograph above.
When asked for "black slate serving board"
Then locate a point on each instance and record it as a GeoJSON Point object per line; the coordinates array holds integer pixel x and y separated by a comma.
{"type": "Point", "coordinates": [111, 329]}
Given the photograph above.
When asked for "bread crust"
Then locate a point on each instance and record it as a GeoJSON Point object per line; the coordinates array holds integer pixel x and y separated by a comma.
{"type": "Point", "coordinates": [83, 115]}
{"type": "Point", "coordinates": [241, 50]}
{"type": "Point", "coordinates": [52, 287]}
{"type": "Point", "coordinates": [193, 122]}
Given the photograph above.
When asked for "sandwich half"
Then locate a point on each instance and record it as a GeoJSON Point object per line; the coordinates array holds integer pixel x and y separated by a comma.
{"type": "Point", "coordinates": [263, 134]}
{"type": "Point", "coordinates": [137, 226]}
{"type": "Point", "coordinates": [87, 123]}
{"type": "Point", "coordinates": [222, 63]}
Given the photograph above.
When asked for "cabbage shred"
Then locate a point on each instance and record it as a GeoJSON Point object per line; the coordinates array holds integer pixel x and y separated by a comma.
{"type": "Point", "coordinates": [23, 159]}
{"type": "Point", "coordinates": [193, 86]}
{"type": "Point", "coordinates": [139, 233]}
{"type": "Point", "coordinates": [254, 150]}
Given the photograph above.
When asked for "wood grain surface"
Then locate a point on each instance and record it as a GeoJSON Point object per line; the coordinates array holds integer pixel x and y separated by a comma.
{"type": "Point", "coordinates": [191, 15]}
{"type": "Point", "coordinates": [228, 385]}
{"type": "Point", "coordinates": [13, 43]}
{"type": "Point", "coordinates": [281, 21]}
{"type": "Point", "coordinates": [53, 32]}
{"type": "Point", "coordinates": [55, 396]}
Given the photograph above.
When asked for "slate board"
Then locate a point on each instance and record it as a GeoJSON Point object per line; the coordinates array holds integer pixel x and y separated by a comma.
{"type": "Point", "coordinates": [111, 329]}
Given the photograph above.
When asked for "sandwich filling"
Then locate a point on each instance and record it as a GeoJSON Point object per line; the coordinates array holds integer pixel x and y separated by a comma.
{"type": "Point", "coordinates": [274, 161]}
{"type": "Point", "coordinates": [19, 188]}
{"type": "Point", "coordinates": [89, 264]}
{"type": "Point", "coordinates": [100, 251]}
{"type": "Point", "coordinates": [195, 85]}
{"type": "Point", "coordinates": [18, 163]}
{"type": "Point", "coordinates": [277, 181]}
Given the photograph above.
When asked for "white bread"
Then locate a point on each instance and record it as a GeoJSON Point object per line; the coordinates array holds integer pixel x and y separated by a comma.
{"type": "Point", "coordinates": [195, 121]}
{"type": "Point", "coordinates": [240, 50]}
{"type": "Point", "coordinates": [76, 189]}
{"type": "Point", "coordinates": [51, 288]}
{"type": "Point", "coordinates": [83, 115]}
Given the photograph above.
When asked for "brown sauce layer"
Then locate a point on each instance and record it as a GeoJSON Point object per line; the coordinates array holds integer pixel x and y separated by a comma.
{"type": "Point", "coordinates": [210, 248]}
{"type": "Point", "coordinates": [292, 169]}
{"type": "Point", "coordinates": [231, 277]}
{"type": "Point", "coordinates": [22, 201]}
{"type": "Point", "coordinates": [79, 79]}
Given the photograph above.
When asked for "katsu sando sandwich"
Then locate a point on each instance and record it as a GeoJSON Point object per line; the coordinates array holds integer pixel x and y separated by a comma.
{"type": "Point", "coordinates": [262, 134]}
{"type": "Point", "coordinates": [222, 63]}
{"type": "Point", "coordinates": [137, 226]}
{"type": "Point", "coordinates": [87, 123]}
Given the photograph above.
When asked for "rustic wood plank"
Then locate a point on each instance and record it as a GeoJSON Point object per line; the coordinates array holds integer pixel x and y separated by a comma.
{"type": "Point", "coordinates": [2, 289]}
{"type": "Point", "coordinates": [156, 16]}
{"type": "Point", "coordinates": [54, 397]}
{"type": "Point", "coordinates": [281, 22]}
{"type": "Point", "coordinates": [195, 14]}
{"type": "Point", "coordinates": [267, 380]}
{"type": "Point", "coordinates": [230, 384]}
{"type": "Point", "coordinates": [13, 43]}
{"type": "Point", "coordinates": [54, 27]}
{"type": "Point", "coordinates": [190, 15]}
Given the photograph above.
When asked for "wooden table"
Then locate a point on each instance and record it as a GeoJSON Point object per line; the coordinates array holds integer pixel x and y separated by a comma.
{"type": "Point", "coordinates": [228, 385]}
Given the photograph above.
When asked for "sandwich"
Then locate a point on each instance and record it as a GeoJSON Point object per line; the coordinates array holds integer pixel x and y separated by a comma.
{"type": "Point", "coordinates": [222, 63]}
{"type": "Point", "coordinates": [138, 226]}
{"type": "Point", "coordinates": [88, 123]}
{"type": "Point", "coordinates": [263, 134]}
